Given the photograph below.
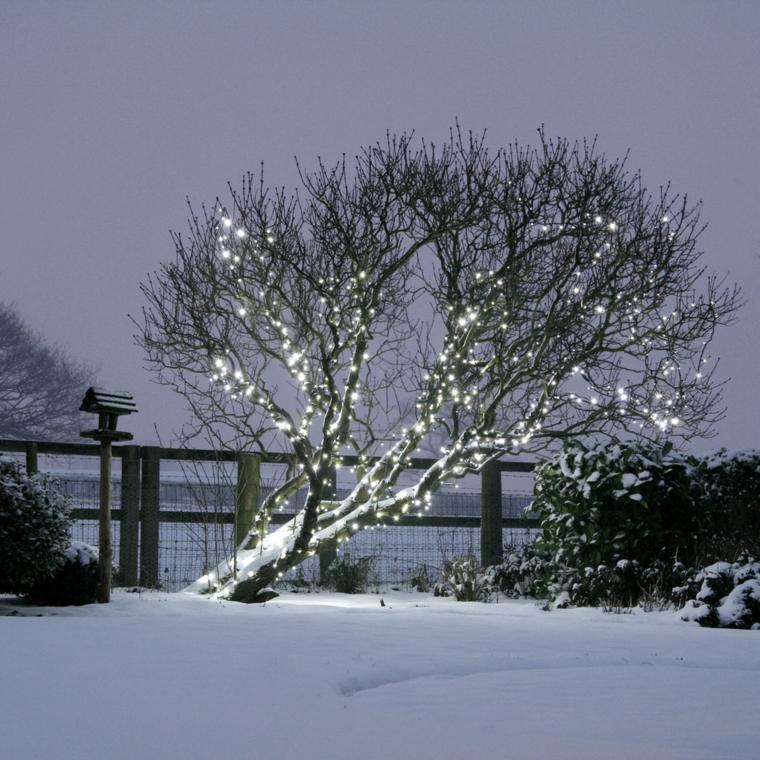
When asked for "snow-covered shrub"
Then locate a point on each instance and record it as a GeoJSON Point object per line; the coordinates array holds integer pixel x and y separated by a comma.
{"type": "Point", "coordinates": [34, 529]}
{"type": "Point", "coordinates": [731, 484]}
{"type": "Point", "coordinates": [625, 584]}
{"type": "Point", "coordinates": [614, 501]}
{"type": "Point", "coordinates": [666, 585]}
{"type": "Point", "coordinates": [686, 582]}
{"type": "Point", "coordinates": [529, 571]}
{"type": "Point", "coordinates": [609, 511]}
{"type": "Point", "coordinates": [729, 596]}
{"type": "Point", "coordinates": [463, 579]}
{"type": "Point", "coordinates": [525, 571]}
{"type": "Point", "coordinates": [349, 576]}
{"type": "Point", "coordinates": [75, 580]}
{"type": "Point", "coordinates": [612, 586]}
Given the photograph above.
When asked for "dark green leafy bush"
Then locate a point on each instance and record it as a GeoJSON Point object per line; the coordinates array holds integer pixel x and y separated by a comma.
{"type": "Point", "coordinates": [616, 521]}
{"type": "Point", "coordinates": [609, 502]}
{"type": "Point", "coordinates": [627, 524]}
{"type": "Point", "coordinates": [615, 586]}
{"type": "Point", "coordinates": [75, 580]}
{"type": "Point", "coordinates": [627, 583]}
{"type": "Point", "coordinates": [525, 571]}
{"type": "Point", "coordinates": [624, 524]}
{"type": "Point", "coordinates": [731, 495]}
{"type": "Point", "coordinates": [34, 529]}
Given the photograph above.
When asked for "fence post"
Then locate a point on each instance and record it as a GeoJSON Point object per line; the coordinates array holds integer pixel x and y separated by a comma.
{"type": "Point", "coordinates": [327, 556]}
{"type": "Point", "coordinates": [149, 506]}
{"type": "Point", "coordinates": [247, 494]}
{"type": "Point", "coordinates": [31, 458]}
{"type": "Point", "coordinates": [491, 546]}
{"type": "Point", "coordinates": [129, 531]}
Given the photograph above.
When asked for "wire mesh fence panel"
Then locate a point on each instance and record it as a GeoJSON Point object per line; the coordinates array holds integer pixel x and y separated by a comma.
{"type": "Point", "coordinates": [87, 531]}
{"type": "Point", "coordinates": [411, 556]}
{"type": "Point", "coordinates": [402, 554]}
{"type": "Point", "coordinates": [399, 554]}
{"type": "Point", "coordinates": [185, 551]}
{"type": "Point", "coordinates": [188, 548]}
{"type": "Point", "coordinates": [84, 492]}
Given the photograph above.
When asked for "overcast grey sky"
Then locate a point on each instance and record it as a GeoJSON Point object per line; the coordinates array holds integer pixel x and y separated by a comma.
{"type": "Point", "coordinates": [111, 113]}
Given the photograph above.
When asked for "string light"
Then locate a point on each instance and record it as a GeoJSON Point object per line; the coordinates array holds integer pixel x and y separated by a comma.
{"type": "Point", "coordinates": [483, 338]}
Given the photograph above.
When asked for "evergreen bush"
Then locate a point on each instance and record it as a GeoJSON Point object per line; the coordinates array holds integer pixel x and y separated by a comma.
{"type": "Point", "coordinates": [627, 524]}
{"type": "Point", "coordinates": [525, 571]}
{"type": "Point", "coordinates": [34, 529]}
{"type": "Point", "coordinates": [614, 519]}
{"type": "Point", "coordinates": [75, 580]}
{"type": "Point", "coordinates": [731, 493]}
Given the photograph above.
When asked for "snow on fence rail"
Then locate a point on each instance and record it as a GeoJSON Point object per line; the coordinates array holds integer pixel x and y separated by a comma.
{"type": "Point", "coordinates": [176, 512]}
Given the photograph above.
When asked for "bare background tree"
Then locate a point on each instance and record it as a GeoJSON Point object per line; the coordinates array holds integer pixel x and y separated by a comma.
{"type": "Point", "coordinates": [40, 387]}
{"type": "Point", "coordinates": [498, 302]}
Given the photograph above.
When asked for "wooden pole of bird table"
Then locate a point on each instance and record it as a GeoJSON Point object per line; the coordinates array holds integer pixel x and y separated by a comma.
{"type": "Point", "coordinates": [105, 549]}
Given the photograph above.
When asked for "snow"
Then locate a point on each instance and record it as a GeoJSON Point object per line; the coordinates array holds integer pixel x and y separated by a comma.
{"type": "Point", "coordinates": [629, 480]}
{"type": "Point", "coordinates": [739, 607]}
{"type": "Point", "coordinates": [332, 676]}
{"type": "Point", "coordinates": [734, 606]}
{"type": "Point", "coordinates": [722, 457]}
{"type": "Point", "coordinates": [79, 551]}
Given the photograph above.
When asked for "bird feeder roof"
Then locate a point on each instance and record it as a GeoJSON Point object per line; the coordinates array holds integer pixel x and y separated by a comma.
{"type": "Point", "coordinates": [101, 401]}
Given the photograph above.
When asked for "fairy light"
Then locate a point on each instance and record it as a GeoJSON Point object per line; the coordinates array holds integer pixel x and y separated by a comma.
{"type": "Point", "coordinates": [459, 379]}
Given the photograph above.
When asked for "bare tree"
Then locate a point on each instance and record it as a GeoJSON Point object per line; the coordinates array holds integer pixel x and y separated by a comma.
{"type": "Point", "coordinates": [501, 300]}
{"type": "Point", "coordinates": [40, 387]}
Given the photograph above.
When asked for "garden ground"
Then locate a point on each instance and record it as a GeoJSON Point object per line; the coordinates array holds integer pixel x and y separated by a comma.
{"type": "Point", "coordinates": [163, 676]}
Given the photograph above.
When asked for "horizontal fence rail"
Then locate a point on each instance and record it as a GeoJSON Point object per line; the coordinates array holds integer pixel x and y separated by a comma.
{"type": "Point", "coordinates": [155, 515]}
{"type": "Point", "coordinates": [213, 455]}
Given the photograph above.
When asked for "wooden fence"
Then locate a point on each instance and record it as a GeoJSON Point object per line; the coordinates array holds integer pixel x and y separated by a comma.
{"type": "Point", "coordinates": [140, 514]}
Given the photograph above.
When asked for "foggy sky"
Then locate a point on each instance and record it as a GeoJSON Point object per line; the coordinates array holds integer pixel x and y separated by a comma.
{"type": "Point", "coordinates": [111, 113]}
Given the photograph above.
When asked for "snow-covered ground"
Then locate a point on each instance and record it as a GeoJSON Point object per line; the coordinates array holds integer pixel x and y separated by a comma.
{"type": "Point", "coordinates": [160, 676]}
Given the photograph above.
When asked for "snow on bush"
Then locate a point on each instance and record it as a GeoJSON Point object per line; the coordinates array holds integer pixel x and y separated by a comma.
{"type": "Point", "coordinates": [627, 524]}
{"type": "Point", "coordinates": [75, 580]}
{"type": "Point", "coordinates": [464, 579]}
{"type": "Point", "coordinates": [613, 514]}
{"type": "Point", "coordinates": [34, 529]}
{"type": "Point", "coordinates": [80, 553]}
{"type": "Point", "coordinates": [729, 596]}
{"type": "Point", "coordinates": [525, 571]}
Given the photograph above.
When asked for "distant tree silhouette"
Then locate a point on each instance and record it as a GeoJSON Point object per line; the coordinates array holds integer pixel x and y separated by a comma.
{"type": "Point", "coordinates": [40, 387]}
